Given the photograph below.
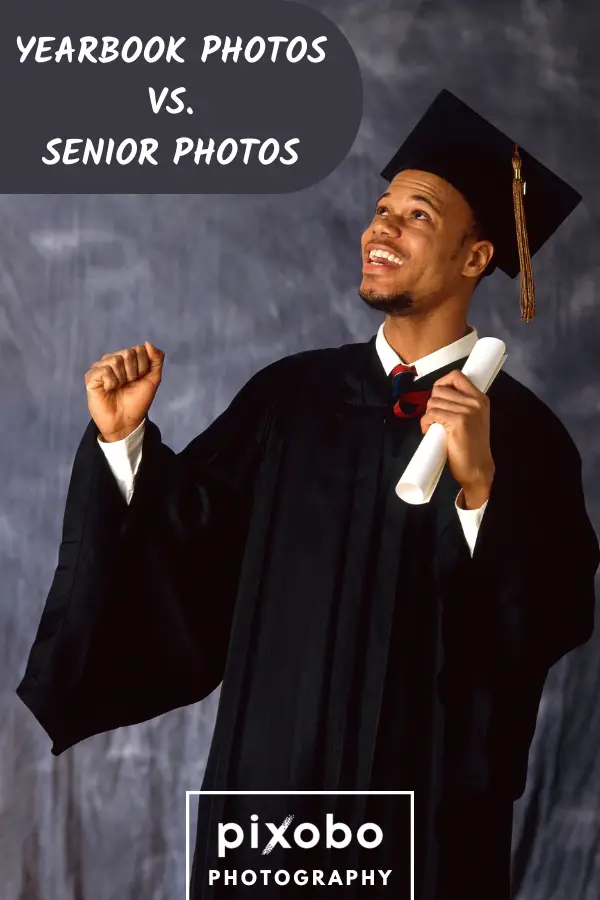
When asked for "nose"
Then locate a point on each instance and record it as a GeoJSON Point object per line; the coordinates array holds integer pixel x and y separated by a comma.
{"type": "Point", "coordinates": [387, 226]}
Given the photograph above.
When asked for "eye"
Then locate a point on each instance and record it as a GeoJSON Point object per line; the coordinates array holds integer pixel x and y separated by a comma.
{"type": "Point", "coordinates": [419, 212]}
{"type": "Point", "coordinates": [380, 210]}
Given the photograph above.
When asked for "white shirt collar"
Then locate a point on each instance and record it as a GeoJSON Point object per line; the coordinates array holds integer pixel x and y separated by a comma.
{"type": "Point", "coordinates": [442, 357]}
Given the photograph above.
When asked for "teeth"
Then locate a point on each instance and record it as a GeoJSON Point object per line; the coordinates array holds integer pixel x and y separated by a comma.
{"type": "Point", "coordinates": [384, 254]}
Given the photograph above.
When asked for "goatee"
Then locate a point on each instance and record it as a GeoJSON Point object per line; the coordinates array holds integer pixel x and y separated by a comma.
{"type": "Point", "coordinates": [390, 304]}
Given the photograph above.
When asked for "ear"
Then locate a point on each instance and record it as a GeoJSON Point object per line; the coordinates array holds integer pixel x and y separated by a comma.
{"type": "Point", "coordinates": [478, 259]}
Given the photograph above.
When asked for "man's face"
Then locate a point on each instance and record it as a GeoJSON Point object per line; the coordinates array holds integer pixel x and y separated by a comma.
{"type": "Point", "coordinates": [423, 224]}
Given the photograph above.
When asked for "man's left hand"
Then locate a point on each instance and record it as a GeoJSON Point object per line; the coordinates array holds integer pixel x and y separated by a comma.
{"type": "Point", "coordinates": [464, 412]}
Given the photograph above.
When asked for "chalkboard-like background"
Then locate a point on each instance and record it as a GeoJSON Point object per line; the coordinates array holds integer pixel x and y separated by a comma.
{"type": "Point", "coordinates": [225, 285]}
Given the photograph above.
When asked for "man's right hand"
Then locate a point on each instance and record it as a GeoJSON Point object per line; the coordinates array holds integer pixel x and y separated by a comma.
{"type": "Point", "coordinates": [121, 387]}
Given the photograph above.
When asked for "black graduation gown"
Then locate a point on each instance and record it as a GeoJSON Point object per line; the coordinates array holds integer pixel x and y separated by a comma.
{"type": "Point", "coordinates": [360, 645]}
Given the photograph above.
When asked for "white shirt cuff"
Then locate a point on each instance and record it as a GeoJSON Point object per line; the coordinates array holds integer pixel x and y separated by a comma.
{"type": "Point", "coordinates": [470, 519]}
{"type": "Point", "coordinates": [124, 457]}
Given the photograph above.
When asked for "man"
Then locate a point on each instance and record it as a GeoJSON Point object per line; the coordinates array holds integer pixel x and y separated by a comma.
{"type": "Point", "coordinates": [363, 644]}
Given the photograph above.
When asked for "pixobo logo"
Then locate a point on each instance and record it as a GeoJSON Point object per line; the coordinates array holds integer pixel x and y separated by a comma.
{"type": "Point", "coordinates": [231, 835]}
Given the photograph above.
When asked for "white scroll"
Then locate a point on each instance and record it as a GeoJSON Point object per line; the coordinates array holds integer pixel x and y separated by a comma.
{"type": "Point", "coordinates": [423, 472]}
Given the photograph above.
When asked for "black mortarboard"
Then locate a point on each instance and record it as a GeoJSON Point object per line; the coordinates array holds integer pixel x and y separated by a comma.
{"type": "Point", "coordinates": [454, 142]}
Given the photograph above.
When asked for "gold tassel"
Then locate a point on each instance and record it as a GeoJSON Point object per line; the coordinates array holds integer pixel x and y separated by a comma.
{"type": "Point", "coordinates": [527, 286]}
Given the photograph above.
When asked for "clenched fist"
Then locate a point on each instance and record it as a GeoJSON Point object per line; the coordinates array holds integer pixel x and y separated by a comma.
{"type": "Point", "coordinates": [121, 387]}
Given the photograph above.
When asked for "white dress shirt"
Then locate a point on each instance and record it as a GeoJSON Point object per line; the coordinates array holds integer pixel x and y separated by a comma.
{"type": "Point", "coordinates": [124, 456]}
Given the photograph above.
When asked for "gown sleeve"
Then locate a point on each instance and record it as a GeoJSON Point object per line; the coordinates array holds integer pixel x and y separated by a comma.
{"type": "Point", "coordinates": [139, 612]}
{"type": "Point", "coordinates": [537, 553]}
{"type": "Point", "coordinates": [520, 603]}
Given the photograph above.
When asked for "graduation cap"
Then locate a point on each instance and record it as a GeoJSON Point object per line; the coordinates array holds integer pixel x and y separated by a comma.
{"type": "Point", "coordinates": [501, 182]}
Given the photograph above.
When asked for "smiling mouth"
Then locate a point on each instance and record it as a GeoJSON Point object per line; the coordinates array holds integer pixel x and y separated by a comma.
{"type": "Point", "coordinates": [382, 259]}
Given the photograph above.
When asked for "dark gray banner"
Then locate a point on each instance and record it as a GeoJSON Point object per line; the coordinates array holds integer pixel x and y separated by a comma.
{"type": "Point", "coordinates": [179, 97]}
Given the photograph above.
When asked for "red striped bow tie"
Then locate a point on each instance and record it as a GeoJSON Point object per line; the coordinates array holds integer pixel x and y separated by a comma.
{"type": "Point", "coordinates": [408, 403]}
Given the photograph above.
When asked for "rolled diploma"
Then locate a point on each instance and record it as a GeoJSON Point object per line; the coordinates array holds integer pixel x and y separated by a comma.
{"type": "Point", "coordinates": [423, 472]}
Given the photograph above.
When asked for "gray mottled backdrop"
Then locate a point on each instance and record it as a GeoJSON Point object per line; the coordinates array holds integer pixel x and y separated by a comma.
{"type": "Point", "coordinates": [225, 285]}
